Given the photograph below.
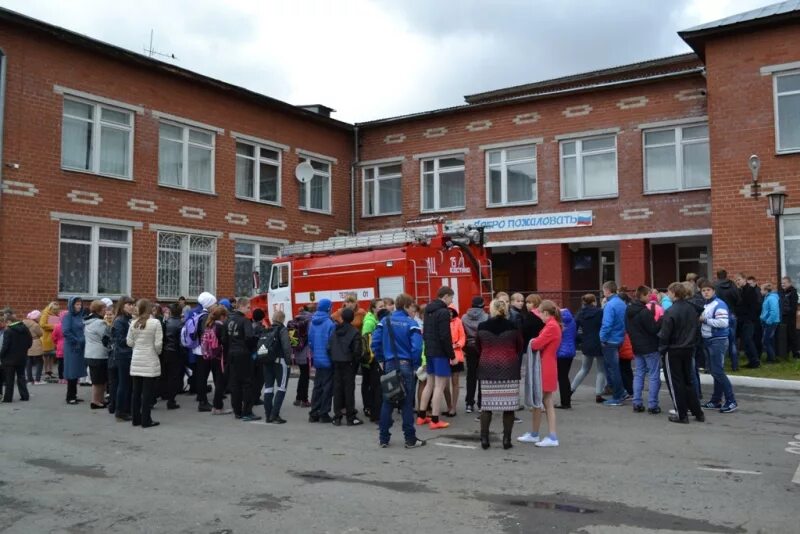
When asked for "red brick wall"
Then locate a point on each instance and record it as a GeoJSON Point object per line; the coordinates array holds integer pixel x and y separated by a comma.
{"type": "Point", "coordinates": [741, 117]}
{"type": "Point", "coordinates": [32, 138]}
{"type": "Point", "coordinates": [661, 105]}
{"type": "Point", "coordinates": [634, 258]}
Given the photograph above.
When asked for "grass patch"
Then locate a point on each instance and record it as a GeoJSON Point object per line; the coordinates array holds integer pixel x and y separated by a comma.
{"type": "Point", "coordinates": [786, 369]}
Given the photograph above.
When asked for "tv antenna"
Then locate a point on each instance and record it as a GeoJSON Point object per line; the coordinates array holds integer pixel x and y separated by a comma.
{"type": "Point", "coordinates": [153, 52]}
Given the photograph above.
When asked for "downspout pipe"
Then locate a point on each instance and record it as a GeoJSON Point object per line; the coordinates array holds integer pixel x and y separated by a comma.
{"type": "Point", "coordinates": [2, 116]}
{"type": "Point", "coordinates": [353, 169]}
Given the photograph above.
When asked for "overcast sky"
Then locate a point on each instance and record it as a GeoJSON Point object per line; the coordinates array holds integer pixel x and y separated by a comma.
{"type": "Point", "coordinates": [371, 59]}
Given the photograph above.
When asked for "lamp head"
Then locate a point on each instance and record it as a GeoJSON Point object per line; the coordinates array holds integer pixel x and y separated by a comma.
{"type": "Point", "coordinates": [755, 164]}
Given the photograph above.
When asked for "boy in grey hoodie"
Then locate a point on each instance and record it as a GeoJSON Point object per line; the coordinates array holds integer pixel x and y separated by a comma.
{"type": "Point", "coordinates": [471, 319]}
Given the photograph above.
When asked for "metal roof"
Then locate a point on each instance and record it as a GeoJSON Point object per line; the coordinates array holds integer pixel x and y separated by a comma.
{"type": "Point", "coordinates": [124, 54]}
{"type": "Point", "coordinates": [781, 8]}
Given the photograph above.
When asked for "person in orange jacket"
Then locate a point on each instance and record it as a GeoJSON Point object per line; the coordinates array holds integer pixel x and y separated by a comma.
{"type": "Point", "coordinates": [456, 364]}
{"type": "Point", "coordinates": [625, 361]}
{"type": "Point", "coordinates": [351, 301]}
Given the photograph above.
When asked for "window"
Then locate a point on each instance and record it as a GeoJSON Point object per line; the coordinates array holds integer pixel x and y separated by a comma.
{"type": "Point", "coordinates": [186, 265]}
{"type": "Point", "coordinates": [589, 168]}
{"type": "Point", "coordinates": [316, 194]}
{"type": "Point", "coordinates": [608, 266]}
{"type": "Point", "coordinates": [790, 226]}
{"type": "Point", "coordinates": [511, 176]}
{"type": "Point", "coordinates": [676, 159]}
{"type": "Point", "coordinates": [443, 183]}
{"type": "Point", "coordinates": [185, 157]}
{"type": "Point", "coordinates": [280, 276]}
{"type": "Point", "coordinates": [93, 260]}
{"type": "Point", "coordinates": [787, 112]}
{"type": "Point", "coordinates": [96, 138]}
{"type": "Point", "coordinates": [692, 259]}
{"type": "Point", "coordinates": [258, 173]}
{"type": "Point", "coordinates": [382, 189]}
{"type": "Point", "coordinates": [251, 258]}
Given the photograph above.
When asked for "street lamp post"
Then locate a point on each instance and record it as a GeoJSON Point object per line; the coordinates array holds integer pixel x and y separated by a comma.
{"type": "Point", "coordinates": [776, 205]}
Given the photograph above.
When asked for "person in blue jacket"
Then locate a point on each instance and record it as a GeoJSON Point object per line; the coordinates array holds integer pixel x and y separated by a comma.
{"type": "Point", "coordinates": [319, 332]}
{"type": "Point", "coordinates": [74, 346]}
{"type": "Point", "coordinates": [770, 319]}
{"type": "Point", "coordinates": [400, 349]}
{"type": "Point", "coordinates": [612, 334]}
{"type": "Point", "coordinates": [564, 357]}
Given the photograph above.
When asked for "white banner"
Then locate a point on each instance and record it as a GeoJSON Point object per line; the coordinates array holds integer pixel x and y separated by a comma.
{"type": "Point", "coordinates": [535, 221]}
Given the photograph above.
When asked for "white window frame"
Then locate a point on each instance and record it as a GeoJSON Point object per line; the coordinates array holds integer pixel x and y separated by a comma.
{"type": "Point", "coordinates": [185, 129]}
{"type": "Point", "coordinates": [257, 160]}
{"type": "Point", "coordinates": [602, 263]}
{"type": "Point", "coordinates": [97, 123]}
{"type": "Point", "coordinates": [679, 143]}
{"type": "Point", "coordinates": [258, 256]}
{"type": "Point", "coordinates": [376, 179]}
{"type": "Point", "coordinates": [307, 200]}
{"type": "Point", "coordinates": [94, 255]}
{"type": "Point", "coordinates": [437, 181]}
{"type": "Point", "coordinates": [504, 177]}
{"type": "Point", "coordinates": [693, 244]}
{"type": "Point", "coordinates": [185, 252]}
{"type": "Point", "coordinates": [579, 155]}
{"type": "Point", "coordinates": [775, 95]}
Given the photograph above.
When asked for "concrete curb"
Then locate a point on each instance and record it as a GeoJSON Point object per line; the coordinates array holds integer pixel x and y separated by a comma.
{"type": "Point", "coordinates": [751, 382]}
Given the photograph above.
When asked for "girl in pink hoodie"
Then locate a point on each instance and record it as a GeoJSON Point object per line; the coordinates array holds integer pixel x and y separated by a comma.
{"type": "Point", "coordinates": [58, 341]}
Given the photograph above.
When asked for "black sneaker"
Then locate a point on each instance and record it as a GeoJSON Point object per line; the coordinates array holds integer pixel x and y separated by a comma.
{"type": "Point", "coordinates": [638, 408]}
{"type": "Point", "coordinates": [701, 418]}
{"type": "Point", "coordinates": [325, 418]}
{"type": "Point", "coordinates": [654, 411]}
{"type": "Point", "coordinates": [337, 421]}
{"type": "Point", "coordinates": [278, 420]}
{"type": "Point", "coordinates": [172, 405]}
{"type": "Point", "coordinates": [313, 418]}
{"type": "Point", "coordinates": [251, 417]}
{"type": "Point", "coordinates": [355, 421]}
{"type": "Point", "coordinates": [468, 409]}
{"type": "Point", "coordinates": [383, 445]}
{"type": "Point", "coordinates": [412, 444]}
{"type": "Point", "coordinates": [677, 419]}
{"type": "Point", "coordinates": [204, 407]}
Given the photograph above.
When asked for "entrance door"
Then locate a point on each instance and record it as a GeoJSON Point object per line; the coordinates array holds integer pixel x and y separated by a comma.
{"type": "Point", "coordinates": [608, 265]}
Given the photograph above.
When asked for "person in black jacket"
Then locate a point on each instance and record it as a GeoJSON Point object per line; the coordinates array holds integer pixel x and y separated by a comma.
{"type": "Point", "coordinates": [276, 374]}
{"type": "Point", "coordinates": [122, 356]}
{"type": "Point", "coordinates": [344, 346]}
{"type": "Point", "coordinates": [730, 295]}
{"type": "Point", "coordinates": [695, 298]}
{"type": "Point", "coordinates": [241, 346]}
{"type": "Point", "coordinates": [14, 357]}
{"type": "Point", "coordinates": [173, 356]}
{"type": "Point", "coordinates": [589, 321]}
{"type": "Point", "coordinates": [439, 351]}
{"type": "Point", "coordinates": [748, 314]}
{"type": "Point", "coordinates": [642, 327]}
{"type": "Point", "coordinates": [258, 373]}
{"type": "Point", "coordinates": [789, 314]}
{"type": "Point", "coordinates": [677, 340]}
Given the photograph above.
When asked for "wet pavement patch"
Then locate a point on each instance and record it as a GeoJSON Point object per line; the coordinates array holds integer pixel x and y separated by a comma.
{"type": "Point", "coordinates": [568, 513]}
{"type": "Point", "coordinates": [323, 476]}
{"type": "Point", "coordinates": [264, 501]}
{"type": "Point", "coordinates": [91, 471]}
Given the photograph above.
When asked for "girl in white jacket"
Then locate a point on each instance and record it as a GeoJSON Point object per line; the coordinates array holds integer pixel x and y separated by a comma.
{"type": "Point", "coordinates": [145, 337]}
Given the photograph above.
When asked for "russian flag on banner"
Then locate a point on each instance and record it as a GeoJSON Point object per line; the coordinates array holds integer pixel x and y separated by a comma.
{"type": "Point", "coordinates": [584, 220]}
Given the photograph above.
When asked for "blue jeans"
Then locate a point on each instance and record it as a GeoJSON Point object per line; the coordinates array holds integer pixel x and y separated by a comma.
{"type": "Point", "coordinates": [123, 404]}
{"type": "Point", "coordinates": [716, 358]}
{"type": "Point", "coordinates": [650, 365]}
{"type": "Point", "coordinates": [734, 350]}
{"type": "Point", "coordinates": [613, 375]}
{"type": "Point", "coordinates": [768, 340]}
{"type": "Point", "coordinates": [322, 396]}
{"type": "Point", "coordinates": [409, 382]}
{"type": "Point", "coordinates": [748, 339]}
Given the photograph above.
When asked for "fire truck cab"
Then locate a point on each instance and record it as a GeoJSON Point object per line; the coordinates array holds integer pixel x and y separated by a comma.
{"type": "Point", "coordinates": [416, 261]}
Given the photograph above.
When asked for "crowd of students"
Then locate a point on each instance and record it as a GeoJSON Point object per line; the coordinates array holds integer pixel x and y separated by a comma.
{"type": "Point", "coordinates": [516, 355]}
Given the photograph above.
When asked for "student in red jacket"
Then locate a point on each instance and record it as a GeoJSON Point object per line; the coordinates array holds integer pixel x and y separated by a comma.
{"type": "Point", "coordinates": [547, 343]}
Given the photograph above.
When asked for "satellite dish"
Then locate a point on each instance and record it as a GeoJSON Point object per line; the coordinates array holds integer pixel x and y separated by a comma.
{"type": "Point", "coordinates": [304, 172]}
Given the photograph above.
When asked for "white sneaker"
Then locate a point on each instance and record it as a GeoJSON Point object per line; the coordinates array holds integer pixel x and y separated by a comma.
{"type": "Point", "coordinates": [528, 437]}
{"type": "Point", "coordinates": [547, 442]}
{"type": "Point", "coordinates": [673, 412]}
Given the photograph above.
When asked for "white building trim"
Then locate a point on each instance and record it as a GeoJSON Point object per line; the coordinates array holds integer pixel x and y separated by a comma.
{"type": "Point", "coordinates": [259, 141]}
{"type": "Point", "coordinates": [183, 230]}
{"type": "Point", "coordinates": [61, 90]}
{"type": "Point", "coordinates": [589, 133]}
{"type": "Point", "coordinates": [303, 152]}
{"type": "Point", "coordinates": [673, 122]}
{"type": "Point", "coordinates": [258, 239]}
{"type": "Point", "coordinates": [383, 161]}
{"type": "Point", "coordinates": [509, 144]}
{"type": "Point", "coordinates": [451, 152]}
{"type": "Point", "coordinates": [60, 216]}
{"type": "Point", "coordinates": [187, 122]}
{"type": "Point", "coordinates": [772, 69]}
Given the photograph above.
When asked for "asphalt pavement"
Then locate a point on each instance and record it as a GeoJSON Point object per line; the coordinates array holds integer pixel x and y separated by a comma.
{"type": "Point", "coordinates": [73, 470]}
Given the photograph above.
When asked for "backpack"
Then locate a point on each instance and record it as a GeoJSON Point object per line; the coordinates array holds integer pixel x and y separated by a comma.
{"type": "Point", "coordinates": [366, 357]}
{"type": "Point", "coordinates": [189, 337]}
{"type": "Point", "coordinates": [269, 348]}
{"type": "Point", "coordinates": [210, 345]}
{"type": "Point", "coordinates": [298, 333]}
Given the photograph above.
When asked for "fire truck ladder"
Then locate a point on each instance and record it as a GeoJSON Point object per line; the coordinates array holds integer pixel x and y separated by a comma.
{"type": "Point", "coordinates": [487, 281]}
{"type": "Point", "coordinates": [422, 283]}
{"type": "Point", "coordinates": [355, 242]}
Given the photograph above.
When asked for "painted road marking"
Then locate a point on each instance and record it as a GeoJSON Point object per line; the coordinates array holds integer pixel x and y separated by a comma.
{"type": "Point", "coordinates": [796, 478]}
{"type": "Point", "coordinates": [726, 470]}
{"type": "Point", "coordinates": [455, 445]}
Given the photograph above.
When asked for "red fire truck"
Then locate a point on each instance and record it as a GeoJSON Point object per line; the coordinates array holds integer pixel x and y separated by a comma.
{"type": "Point", "coordinates": [416, 261]}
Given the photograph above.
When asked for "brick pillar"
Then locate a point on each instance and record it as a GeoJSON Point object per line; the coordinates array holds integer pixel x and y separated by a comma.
{"type": "Point", "coordinates": [634, 263]}
{"type": "Point", "coordinates": [553, 272]}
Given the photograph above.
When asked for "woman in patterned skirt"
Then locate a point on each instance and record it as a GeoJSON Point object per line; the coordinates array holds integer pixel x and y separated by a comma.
{"type": "Point", "coordinates": [499, 344]}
